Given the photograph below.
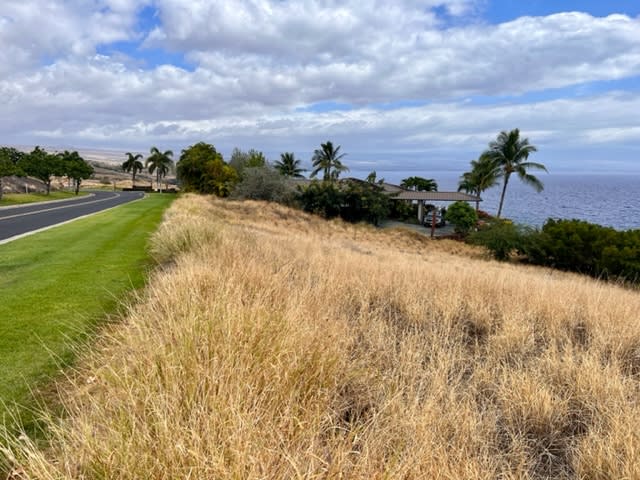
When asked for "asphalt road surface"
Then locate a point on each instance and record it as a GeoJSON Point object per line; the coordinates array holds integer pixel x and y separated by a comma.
{"type": "Point", "coordinates": [23, 219]}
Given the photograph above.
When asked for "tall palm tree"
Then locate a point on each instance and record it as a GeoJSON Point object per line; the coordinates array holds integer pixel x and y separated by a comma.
{"type": "Point", "coordinates": [133, 165]}
{"type": "Point", "coordinates": [327, 160]}
{"type": "Point", "coordinates": [511, 154]}
{"type": "Point", "coordinates": [483, 175]}
{"type": "Point", "coordinates": [161, 163]}
{"type": "Point", "coordinates": [289, 166]}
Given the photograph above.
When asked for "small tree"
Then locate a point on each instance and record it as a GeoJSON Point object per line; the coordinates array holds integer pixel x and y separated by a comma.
{"type": "Point", "coordinates": [322, 198]}
{"type": "Point", "coordinates": [220, 178]}
{"type": "Point", "coordinates": [462, 216]}
{"type": "Point", "coordinates": [501, 238]}
{"type": "Point", "coordinates": [76, 168]}
{"type": "Point", "coordinates": [9, 158]}
{"type": "Point", "coordinates": [241, 160]}
{"type": "Point", "coordinates": [364, 201]}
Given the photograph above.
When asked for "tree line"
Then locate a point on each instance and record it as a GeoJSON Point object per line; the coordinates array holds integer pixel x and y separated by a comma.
{"type": "Point", "coordinates": [44, 166]}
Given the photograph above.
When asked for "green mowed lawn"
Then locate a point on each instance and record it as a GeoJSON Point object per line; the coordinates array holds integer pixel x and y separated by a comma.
{"type": "Point", "coordinates": [57, 285]}
{"type": "Point", "coordinates": [9, 199]}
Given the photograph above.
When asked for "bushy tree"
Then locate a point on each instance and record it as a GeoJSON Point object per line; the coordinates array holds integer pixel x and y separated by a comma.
{"type": "Point", "coordinates": [42, 165]}
{"type": "Point", "coordinates": [322, 198]}
{"type": "Point", "coordinates": [462, 216]}
{"type": "Point", "coordinates": [76, 168]}
{"type": "Point", "coordinates": [202, 169]}
{"type": "Point", "coordinates": [364, 201]}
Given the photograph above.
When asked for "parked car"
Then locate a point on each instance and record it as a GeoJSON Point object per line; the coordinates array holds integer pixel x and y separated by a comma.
{"type": "Point", "coordinates": [428, 218]}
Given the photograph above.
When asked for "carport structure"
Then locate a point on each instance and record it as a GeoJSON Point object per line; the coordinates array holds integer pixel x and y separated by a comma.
{"type": "Point", "coordinates": [399, 193]}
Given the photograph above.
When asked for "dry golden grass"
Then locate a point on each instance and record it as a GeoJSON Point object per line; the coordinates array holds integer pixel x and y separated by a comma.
{"type": "Point", "coordinates": [278, 345]}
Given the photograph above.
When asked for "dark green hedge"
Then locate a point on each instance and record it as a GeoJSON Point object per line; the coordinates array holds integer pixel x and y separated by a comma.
{"type": "Point", "coordinates": [588, 248]}
{"type": "Point", "coordinates": [572, 245]}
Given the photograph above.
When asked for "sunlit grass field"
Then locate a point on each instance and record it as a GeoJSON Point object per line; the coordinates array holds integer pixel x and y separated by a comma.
{"type": "Point", "coordinates": [273, 344]}
{"type": "Point", "coordinates": [55, 286]}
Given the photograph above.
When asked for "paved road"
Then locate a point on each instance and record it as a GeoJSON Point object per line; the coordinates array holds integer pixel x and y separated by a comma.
{"type": "Point", "coordinates": [23, 219]}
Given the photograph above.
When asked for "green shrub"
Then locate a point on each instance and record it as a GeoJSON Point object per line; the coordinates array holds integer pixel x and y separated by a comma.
{"type": "Point", "coordinates": [264, 183]}
{"type": "Point", "coordinates": [462, 216]}
{"type": "Point", "coordinates": [353, 201]}
{"type": "Point", "coordinates": [588, 248]}
{"type": "Point", "coordinates": [321, 198]}
{"type": "Point", "coordinates": [501, 238]}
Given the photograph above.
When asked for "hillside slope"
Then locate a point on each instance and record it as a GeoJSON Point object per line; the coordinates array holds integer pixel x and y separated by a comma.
{"type": "Point", "coordinates": [276, 345]}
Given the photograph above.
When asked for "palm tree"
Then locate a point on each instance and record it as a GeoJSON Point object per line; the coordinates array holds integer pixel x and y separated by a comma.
{"type": "Point", "coordinates": [289, 166]}
{"type": "Point", "coordinates": [327, 160]}
{"type": "Point", "coordinates": [133, 165]}
{"type": "Point", "coordinates": [483, 175]}
{"type": "Point", "coordinates": [161, 163]}
{"type": "Point", "coordinates": [510, 153]}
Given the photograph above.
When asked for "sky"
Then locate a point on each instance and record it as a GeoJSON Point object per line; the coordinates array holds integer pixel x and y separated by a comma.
{"type": "Point", "coordinates": [410, 86]}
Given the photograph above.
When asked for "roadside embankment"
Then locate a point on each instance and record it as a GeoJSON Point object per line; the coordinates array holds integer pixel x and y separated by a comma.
{"type": "Point", "coordinates": [274, 344]}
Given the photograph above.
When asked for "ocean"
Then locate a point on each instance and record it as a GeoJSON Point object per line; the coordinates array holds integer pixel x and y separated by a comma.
{"type": "Point", "coordinates": [605, 199]}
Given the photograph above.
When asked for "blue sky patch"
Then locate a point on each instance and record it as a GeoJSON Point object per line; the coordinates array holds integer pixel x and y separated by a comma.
{"type": "Point", "coordinates": [322, 107]}
{"type": "Point", "coordinates": [498, 11]}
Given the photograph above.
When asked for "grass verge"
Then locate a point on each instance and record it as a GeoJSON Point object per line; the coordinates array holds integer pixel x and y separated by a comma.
{"type": "Point", "coordinates": [277, 345]}
{"type": "Point", "coordinates": [55, 286]}
{"type": "Point", "coordinates": [9, 199]}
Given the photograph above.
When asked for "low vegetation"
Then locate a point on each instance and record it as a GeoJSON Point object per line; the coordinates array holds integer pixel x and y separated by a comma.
{"type": "Point", "coordinates": [572, 245]}
{"type": "Point", "coordinates": [275, 344]}
{"type": "Point", "coordinates": [9, 199]}
{"type": "Point", "coordinates": [56, 285]}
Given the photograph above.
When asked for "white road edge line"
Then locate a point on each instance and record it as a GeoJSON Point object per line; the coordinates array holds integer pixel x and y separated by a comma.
{"type": "Point", "coordinates": [33, 232]}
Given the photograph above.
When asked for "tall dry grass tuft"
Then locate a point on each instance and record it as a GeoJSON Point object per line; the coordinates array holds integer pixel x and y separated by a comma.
{"type": "Point", "coordinates": [278, 345]}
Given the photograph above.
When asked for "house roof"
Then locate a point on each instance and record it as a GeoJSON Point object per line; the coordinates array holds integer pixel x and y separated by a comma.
{"type": "Point", "coordinates": [436, 196]}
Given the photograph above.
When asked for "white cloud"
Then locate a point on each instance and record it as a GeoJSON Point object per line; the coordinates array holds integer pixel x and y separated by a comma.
{"type": "Point", "coordinates": [38, 32]}
{"type": "Point", "coordinates": [373, 53]}
{"type": "Point", "coordinates": [258, 63]}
